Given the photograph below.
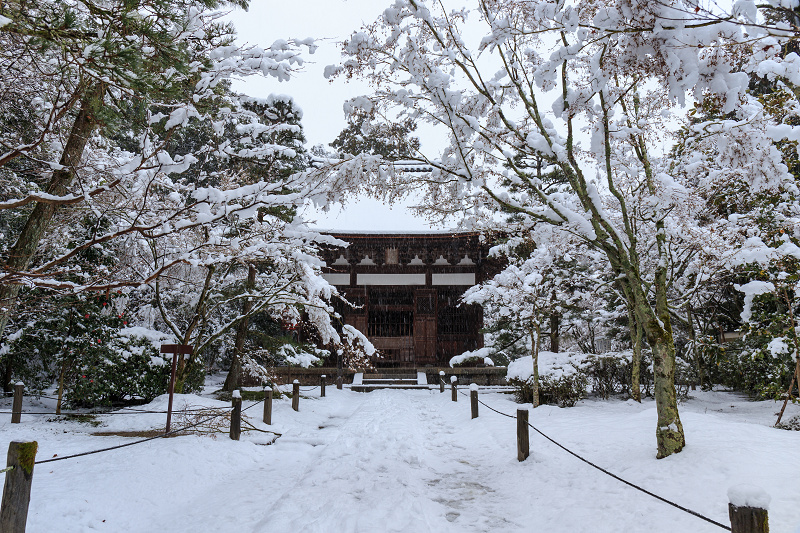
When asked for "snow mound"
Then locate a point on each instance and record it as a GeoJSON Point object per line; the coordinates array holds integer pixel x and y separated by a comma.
{"type": "Point", "coordinates": [551, 364]}
{"type": "Point", "coordinates": [477, 355]}
{"type": "Point", "coordinates": [746, 495]}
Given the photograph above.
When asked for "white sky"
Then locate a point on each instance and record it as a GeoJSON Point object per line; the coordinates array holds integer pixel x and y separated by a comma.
{"type": "Point", "coordinates": [330, 22]}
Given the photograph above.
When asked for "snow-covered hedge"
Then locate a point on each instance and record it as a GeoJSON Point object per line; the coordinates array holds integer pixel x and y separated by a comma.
{"type": "Point", "coordinates": [567, 377]}
{"type": "Point", "coordinates": [126, 367]}
{"type": "Point", "coordinates": [473, 358]}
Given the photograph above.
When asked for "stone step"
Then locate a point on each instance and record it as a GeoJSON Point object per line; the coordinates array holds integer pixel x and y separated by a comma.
{"type": "Point", "coordinates": [371, 382]}
{"type": "Point", "coordinates": [370, 388]}
{"type": "Point", "coordinates": [390, 377]}
{"type": "Point", "coordinates": [390, 381]}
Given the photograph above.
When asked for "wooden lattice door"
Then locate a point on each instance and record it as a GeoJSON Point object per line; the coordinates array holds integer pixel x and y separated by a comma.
{"type": "Point", "coordinates": [425, 327]}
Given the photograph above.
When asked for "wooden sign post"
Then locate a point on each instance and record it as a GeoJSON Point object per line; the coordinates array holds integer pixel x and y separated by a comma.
{"type": "Point", "coordinates": [174, 349]}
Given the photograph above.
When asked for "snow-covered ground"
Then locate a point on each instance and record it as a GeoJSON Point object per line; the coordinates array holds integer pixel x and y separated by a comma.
{"type": "Point", "coordinates": [412, 461]}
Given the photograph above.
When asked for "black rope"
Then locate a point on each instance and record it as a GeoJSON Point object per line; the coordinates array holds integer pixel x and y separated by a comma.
{"type": "Point", "coordinates": [134, 410]}
{"type": "Point", "coordinates": [250, 406]}
{"type": "Point", "coordinates": [603, 470]}
{"type": "Point", "coordinates": [104, 413]}
{"type": "Point", "coordinates": [174, 431]}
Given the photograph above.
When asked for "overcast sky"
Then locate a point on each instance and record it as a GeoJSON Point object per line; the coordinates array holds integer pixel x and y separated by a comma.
{"type": "Point", "coordinates": [329, 21]}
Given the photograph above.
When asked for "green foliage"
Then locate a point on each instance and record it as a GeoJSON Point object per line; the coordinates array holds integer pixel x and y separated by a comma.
{"type": "Point", "coordinates": [130, 368]}
{"type": "Point", "coordinates": [388, 139]}
{"type": "Point", "coordinates": [749, 366]}
{"type": "Point", "coordinates": [78, 339]}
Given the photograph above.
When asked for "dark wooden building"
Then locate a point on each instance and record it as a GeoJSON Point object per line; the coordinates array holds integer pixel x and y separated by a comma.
{"type": "Point", "coordinates": [407, 289]}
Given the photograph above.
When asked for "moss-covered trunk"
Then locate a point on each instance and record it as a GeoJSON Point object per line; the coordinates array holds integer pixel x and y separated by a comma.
{"type": "Point", "coordinates": [658, 329]}
{"type": "Point", "coordinates": [669, 431]}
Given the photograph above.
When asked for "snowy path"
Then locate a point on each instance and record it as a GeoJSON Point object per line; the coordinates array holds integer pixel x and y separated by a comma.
{"type": "Point", "coordinates": [413, 461]}
{"type": "Point", "coordinates": [390, 467]}
{"type": "Point", "coordinates": [387, 461]}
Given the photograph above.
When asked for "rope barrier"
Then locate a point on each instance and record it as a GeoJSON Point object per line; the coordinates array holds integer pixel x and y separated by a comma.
{"type": "Point", "coordinates": [603, 470]}
{"type": "Point", "coordinates": [7, 469]}
{"type": "Point", "coordinates": [127, 444]}
{"type": "Point", "coordinates": [78, 413]}
{"type": "Point", "coordinates": [251, 406]}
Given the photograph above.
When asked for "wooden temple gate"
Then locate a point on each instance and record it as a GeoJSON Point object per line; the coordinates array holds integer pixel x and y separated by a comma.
{"type": "Point", "coordinates": [407, 288]}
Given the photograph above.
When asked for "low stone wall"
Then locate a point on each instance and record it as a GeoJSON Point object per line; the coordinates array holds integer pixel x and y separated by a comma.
{"type": "Point", "coordinates": [310, 376]}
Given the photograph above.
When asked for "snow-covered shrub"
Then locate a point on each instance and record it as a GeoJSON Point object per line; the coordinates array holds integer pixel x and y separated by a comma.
{"type": "Point", "coordinates": [479, 357]}
{"type": "Point", "coordinates": [751, 366]}
{"type": "Point", "coordinates": [562, 380]}
{"type": "Point", "coordinates": [610, 373]}
{"type": "Point", "coordinates": [567, 377]}
{"type": "Point", "coordinates": [793, 424]}
{"type": "Point", "coordinates": [126, 368]}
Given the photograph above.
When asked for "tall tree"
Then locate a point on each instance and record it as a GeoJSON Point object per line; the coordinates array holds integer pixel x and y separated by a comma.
{"type": "Point", "coordinates": [144, 70]}
{"type": "Point", "coordinates": [618, 68]}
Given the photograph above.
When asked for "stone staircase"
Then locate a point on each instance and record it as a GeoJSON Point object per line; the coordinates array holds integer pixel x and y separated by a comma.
{"type": "Point", "coordinates": [390, 379]}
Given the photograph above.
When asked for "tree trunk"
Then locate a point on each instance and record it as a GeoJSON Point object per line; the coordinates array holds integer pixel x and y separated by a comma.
{"type": "Point", "coordinates": [20, 255]}
{"type": "Point", "coordinates": [186, 364]}
{"type": "Point", "coordinates": [555, 337]}
{"type": "Point", "coordinates": [695, 353]}
{"type": "Point", "coordinates": [669, 433]}
{"type": "Point", "coordinates": [535, 357]}
{"type": "Point", "coordinates": [61, 376]}
{"type": "Point", "coordinates": [241, 335]}
{"type": "Point", "coordinates": [657, 328]}
{"type": "Point", "coordinates": [636, 358]}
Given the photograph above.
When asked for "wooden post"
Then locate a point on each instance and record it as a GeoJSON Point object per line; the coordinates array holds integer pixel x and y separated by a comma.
{"type": "Point", "coordinates": [473, 399]}
{"type": "Point", "coordinates": [236, 415]}
{"type": "Point", "coordinates": [322, 386]}
{"type": "Point", "coordinates": [296, 395]}
{"type": "Point", "coordinates": [523, 443]}
{"type": "Point", "coordinates": [453, 388]}
{"type": "Point", "coordinates": [339, 382]}
{"type": "Point", "coordinates": [268, 407]}
{"type": "Point", "coordinates": [16, 408]}
{"type": "Point", "coordinates": [748, 519]}
{"type": "Point", "coordinates": [441, 380]}
{"type": "Point", "coordinates": [17, 488]}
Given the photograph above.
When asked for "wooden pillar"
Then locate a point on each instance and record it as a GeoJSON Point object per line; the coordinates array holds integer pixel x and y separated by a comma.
{"type": "Point", "coordinates": [16, 407]}
{"type": "Point", "coordinates": [296, 395]}
{"type": "Point", "coordinates": [268, 406]}
{"type": "Point", "coordinates": [236, 415]}
{"type": "Point", "coordinates": [17, 487]}
{"type": "Point", "coordinates": [441, 380]}
{"type": "Point", "coordinates": [322, 386]}
{"type": "Point", "coordinates": [748, 519]}
{"type": "Point", "coordinates": [473, 399]}
{"type": "Point", "coordinates": [453, 389]}
{"type": "Point", "coordinates": [523, 443]}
